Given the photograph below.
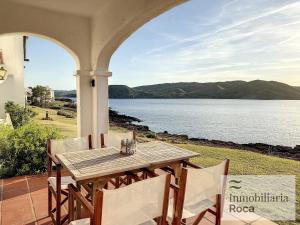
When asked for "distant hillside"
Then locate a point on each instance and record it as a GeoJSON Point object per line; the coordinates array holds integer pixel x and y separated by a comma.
{"type": "Point", "coordinates": [256, 89]}
{"type": "Point", "coordinates": [62, 93]}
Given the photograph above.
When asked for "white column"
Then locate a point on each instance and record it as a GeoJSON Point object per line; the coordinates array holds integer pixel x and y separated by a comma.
{"type": "Point", "coordinates": [100, 103]}
{"type": "Point", "coordinates": [84, 103]}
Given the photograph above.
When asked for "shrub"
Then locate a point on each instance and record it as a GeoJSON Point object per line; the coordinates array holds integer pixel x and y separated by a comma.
{"type": "Point", "coordinates": [4, 132]}
{"type": "Point", "coordinates": [65, 113]}
{"type": "Point", "coordinates": [70, 105]}
{"type": "Point", "coordinates": [151, 135]}
{"type": "Point", "coordinates": [19, 115]}
{"type": "Point", "coordinates": [55, 105]}
{"type": "Point", "coordinates": [24, 150]}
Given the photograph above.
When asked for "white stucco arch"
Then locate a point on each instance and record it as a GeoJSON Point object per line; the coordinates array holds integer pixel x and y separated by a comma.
{"type": "Point", "coordinates": [70, 31]}
{"type": "Point", "coordinates": [62, 45]}
{"type": "Point", "coordinates": [107, 44]}
{"type": "Point", "coordinates": [91, 30]}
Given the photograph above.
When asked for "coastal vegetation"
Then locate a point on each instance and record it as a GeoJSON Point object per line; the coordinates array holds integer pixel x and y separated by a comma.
{"type": "Point", "coordinates": [23, 147]}
{"type": "Point", "coordinates": [23, 150]}
{"type": "Point", "coordinates": [257, 89]}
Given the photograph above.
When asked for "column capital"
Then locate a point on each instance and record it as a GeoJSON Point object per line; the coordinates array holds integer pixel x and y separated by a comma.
{"type": "Point", "coordinates": [100, 73]}
{"type": "Point", "coordinates": [93, 73]}
{"type": "Point", "coordinates": [83, 73]}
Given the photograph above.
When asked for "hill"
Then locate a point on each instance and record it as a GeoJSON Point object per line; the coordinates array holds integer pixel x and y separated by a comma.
{"type": "Point", "coordinates": [257, 89]}
{"type": "Point", "coordinates": [62, 93]}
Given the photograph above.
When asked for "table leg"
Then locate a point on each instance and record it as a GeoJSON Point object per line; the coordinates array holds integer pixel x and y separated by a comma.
{"type": "Point", "coordinates": [78, 205]}
{"type": "Point", "coordinates": [97, 185]}
{"type": "Point", "coordinates": [177, 167]}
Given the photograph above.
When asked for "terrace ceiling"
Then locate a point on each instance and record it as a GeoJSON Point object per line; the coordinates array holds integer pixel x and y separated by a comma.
{"type": "Point", "coordinates": [85, 8]}
{"type": "Point", "coordinates": [91, 30]}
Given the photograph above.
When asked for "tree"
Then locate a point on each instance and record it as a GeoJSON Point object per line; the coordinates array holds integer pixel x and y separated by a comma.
{"type": "Point", "coordinates": [41, 96]}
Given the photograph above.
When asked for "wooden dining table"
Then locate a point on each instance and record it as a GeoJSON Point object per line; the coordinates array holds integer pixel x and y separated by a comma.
{"type": "Point", "coordinates": [98, 166]}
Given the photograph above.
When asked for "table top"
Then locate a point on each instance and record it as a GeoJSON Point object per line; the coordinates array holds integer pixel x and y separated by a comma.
{"type": "Point", "coordinates": [101, 162]}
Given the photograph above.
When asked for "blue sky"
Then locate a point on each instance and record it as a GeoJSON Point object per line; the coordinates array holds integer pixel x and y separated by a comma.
{"type": "Point", "coordinates": [199, 41]}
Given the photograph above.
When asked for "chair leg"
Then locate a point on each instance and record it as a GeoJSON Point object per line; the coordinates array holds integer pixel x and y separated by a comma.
{"type": "Point", "coordinates": [144, 176]}
{"type": "Point", "coordinates": [117, 182]}
{"type": "Point", "coordinates": [218, 210]}
{"type": "Point", "coordinates": [49, 201]}
{"type": "Point", "coordinates": [199, 218]}
{"type": "Point", "coordinates": [58, 209]}
{"type": "Point", "coordinates": [218, 221]}
{"type": "Point", "coordinates": [129, 180]}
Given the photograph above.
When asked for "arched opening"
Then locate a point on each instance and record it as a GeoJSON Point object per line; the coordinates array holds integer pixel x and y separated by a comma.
{"type": "Point", "coordinates": [221, 44]}
{"type": "Point", "coordinates": [50, 39]}
{"type": "Point", "coordinates": [38, 67]}
{"type": "Point", "coordinates": [236, 40]}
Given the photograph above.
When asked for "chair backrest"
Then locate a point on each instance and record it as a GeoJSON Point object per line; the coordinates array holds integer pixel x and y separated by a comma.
{"type": "Point", "coordinates": [70, 145]}
{"type": "Point", "coordinates": [113, 139]}
{"type": "Point", "coordinates": [203, 184]}
{"type": "Point", "coordinates": [134, 204]}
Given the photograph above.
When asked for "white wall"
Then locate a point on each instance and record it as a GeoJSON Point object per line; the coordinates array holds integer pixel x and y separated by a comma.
{"type": "Point", "coordinates": [12, 89]}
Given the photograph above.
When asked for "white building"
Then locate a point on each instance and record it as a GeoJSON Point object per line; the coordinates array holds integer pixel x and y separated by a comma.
{"type": "Point", "coordinates": [52, 95]}
{"type": "Point", "coordinates": [12, 60]}
{"type": "Point", "coordinates": [28, 95]}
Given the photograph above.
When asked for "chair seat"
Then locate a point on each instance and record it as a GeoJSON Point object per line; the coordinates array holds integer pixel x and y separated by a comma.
{"type": "Point", "coordinates": [191, 210]}
{"type": "Point", "coordinates": [87, 222]}
{"type": "Point", "coordinates": [65, 181]}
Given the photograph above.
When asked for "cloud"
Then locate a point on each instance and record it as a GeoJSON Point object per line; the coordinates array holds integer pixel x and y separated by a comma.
{"type": "Point", "coordinates": [265, 39]}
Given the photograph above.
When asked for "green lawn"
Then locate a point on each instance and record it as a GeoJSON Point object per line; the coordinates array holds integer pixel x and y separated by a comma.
{"type": "Point", "coordinates": [249, 163]}
{"type": "Point", "coordinates": [67, 126]}
{"type": "Point", "coordinates": [242, 162]}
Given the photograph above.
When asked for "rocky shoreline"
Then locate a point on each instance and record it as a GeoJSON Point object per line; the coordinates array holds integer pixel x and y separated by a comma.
{"type": "Point", "coordinates": [130, 123]}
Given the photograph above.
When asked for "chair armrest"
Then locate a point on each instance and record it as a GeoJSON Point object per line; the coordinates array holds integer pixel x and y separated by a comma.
{"type": "Point", "coordinates": [54, 159]}
{"type": "Point", "coordinates": [191, 164]}
{"type": "Point", "coordinates": [76, 195]}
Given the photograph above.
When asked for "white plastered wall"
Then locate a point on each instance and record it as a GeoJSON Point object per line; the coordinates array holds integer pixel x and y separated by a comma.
{"type": "Point", "coordinates": [12, 89]}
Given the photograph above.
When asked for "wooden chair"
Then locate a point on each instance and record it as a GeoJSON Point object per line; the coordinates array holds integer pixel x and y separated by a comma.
{"type": "Point", "coordinates": [200, 190]}
{"type": "Point", "coordinates": [58, 184]}
{"type": "Point", "coordinates": [142, 203]}
{"type": "Point", "coordinates": [113, 139]}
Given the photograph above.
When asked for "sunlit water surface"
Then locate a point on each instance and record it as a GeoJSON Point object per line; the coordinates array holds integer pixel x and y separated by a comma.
{"type": "Point", "coordinates": [240, 121]}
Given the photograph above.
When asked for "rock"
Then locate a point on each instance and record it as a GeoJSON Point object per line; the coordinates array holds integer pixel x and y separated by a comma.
{"type": "Point", "coordinates": [115, 117]}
